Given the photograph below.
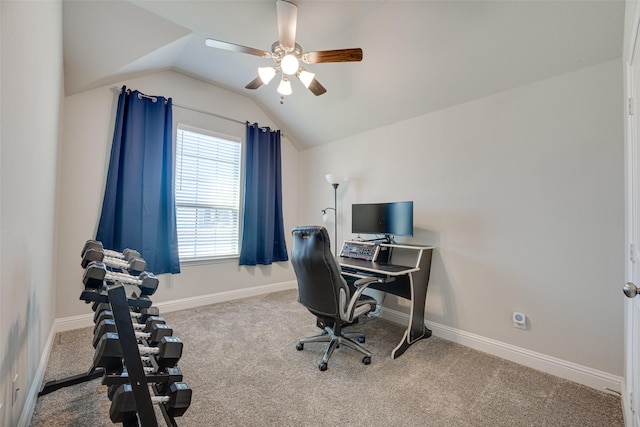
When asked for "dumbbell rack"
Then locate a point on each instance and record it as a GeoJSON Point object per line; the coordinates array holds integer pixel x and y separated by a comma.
{"type": "Point", "coordinates": [97, 296]}
{"type": "Point", "coordinates": [131, 356]}
{"type": "Point", "coordinates": [116, 296]}
{"type": "Point", "coordinates": [122, 298]}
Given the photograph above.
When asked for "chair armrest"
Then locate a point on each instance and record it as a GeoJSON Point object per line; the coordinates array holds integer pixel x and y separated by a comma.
{"type": "Point", "coordinates": [366, 281]}
{"type": "Point", "coordinates": [361, 285]}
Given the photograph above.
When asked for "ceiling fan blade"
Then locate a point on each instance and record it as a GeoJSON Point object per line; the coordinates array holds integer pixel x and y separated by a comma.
{"type": "Point", "coordinates": [316, 87]}
{"type": "Point", "coordinates": [287, 22]}
{"type": "Point", "coordinates": [254, 84]}
{"type": "Point", "coordinates": [338, 55]}
{"type": "Point", "coordinates": [236, 48]}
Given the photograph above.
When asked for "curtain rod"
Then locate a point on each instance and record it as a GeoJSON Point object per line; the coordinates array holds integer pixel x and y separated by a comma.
{"type": "Point", "coordinates": [196, 110]}
{"type": "Point", "coordinates": [184, 107]}
{"type": "Point", "coordinates": [117, 90]}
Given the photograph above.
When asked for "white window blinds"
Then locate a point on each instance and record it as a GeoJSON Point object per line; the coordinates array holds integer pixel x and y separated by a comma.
{"type": "Point", "coordinates": [207, 189]}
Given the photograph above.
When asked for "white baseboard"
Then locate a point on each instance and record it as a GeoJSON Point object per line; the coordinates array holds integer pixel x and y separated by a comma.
{"type": "Point", "coordinates": [590, 377]}
{"type": "Point", "coordinates": [627, 414]}
{"type": "Point", "coordinates": [561, 368]}
{"type": "Point", "coordinates": [186, 303]}
{"type": "Point", "coordinates": [86, 320]}
{"type": "Point", "coordinates": [32, 394]}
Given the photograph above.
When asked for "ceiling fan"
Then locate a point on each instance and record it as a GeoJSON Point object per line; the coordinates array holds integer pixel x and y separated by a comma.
{"type": "Point", "coordinates": [287, 54]}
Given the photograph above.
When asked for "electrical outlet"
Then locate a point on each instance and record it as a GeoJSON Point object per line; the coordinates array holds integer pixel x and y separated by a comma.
{"type": "Point", "coordinates": [14, 388]}
{"type": "Point", "coordinates": [519, 320]}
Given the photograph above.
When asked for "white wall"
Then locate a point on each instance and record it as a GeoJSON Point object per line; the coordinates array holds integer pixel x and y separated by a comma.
{"type": "Point", "coordinates": [522, 193]}
{"type": "Point", "coordinates": [88, 131]}
{"type": "Point", "coordinates": [30, 107]}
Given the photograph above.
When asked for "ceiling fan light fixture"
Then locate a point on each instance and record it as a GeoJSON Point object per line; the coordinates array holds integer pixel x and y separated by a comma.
{"type": "Point", "coordinates": [287, 55]}
{"type": "Point", "coordinates": [289, 64]}
{"type": "Point", "coordinates": [285, 87]}
{"type": "Point", "coordinates": [306, 77]}
{"type": "Point", "coordinates": [266, 74]}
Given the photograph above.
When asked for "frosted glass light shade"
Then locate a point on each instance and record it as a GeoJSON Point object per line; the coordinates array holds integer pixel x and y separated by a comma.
{"type": "Point", "coordinates": [306, 77]}
{"type": "Point", "coordinates": [266, 74]}
{"type": "Point", "coordinates": [285, 87]}
{"type": "Point", "coordinates": [333, 179]}
{"type": "Point", "coordinates": [289, 64]}
{"type": "Point", "coordinates": [328, 217]}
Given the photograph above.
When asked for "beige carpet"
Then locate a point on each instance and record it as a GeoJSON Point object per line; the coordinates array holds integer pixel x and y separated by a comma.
{"type": "Point", "coordinates": [241, 362]}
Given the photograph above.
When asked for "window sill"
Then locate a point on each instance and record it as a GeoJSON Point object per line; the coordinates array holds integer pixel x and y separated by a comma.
{"type": "Point", "coordinates": [204, 261]}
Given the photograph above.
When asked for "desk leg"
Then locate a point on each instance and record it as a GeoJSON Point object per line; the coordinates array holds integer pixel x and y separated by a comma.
{"type": "Point", "coordinates": [416, 330]}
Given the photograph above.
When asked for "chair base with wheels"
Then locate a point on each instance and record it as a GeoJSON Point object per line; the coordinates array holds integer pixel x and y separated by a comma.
{"type": "Point", "coordinates": [336, 337]}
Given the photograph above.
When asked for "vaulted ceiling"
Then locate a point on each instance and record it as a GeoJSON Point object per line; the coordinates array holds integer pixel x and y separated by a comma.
{"type": "Point", "coordinates": [419, 56]}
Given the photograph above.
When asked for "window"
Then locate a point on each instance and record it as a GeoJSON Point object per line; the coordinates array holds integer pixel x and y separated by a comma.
{"type": "Point", "coordinates": [207, 191]}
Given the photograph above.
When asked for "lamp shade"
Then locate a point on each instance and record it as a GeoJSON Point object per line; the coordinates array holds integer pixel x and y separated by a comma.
{"type": "Point", "coordinates": [306, 77]}
{"type": "Point", "coordinates": [334, 179]}
{"type": "Point", "coordinates": [289, 64]}
{"type": "Point", "coordinates": [285, 87]}
{"type": "Point", "coordinates": [266, 74]}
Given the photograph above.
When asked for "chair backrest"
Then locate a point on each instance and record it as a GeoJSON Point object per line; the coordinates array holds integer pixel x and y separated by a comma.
{"type": "Point", "coordinates": [318, 274]}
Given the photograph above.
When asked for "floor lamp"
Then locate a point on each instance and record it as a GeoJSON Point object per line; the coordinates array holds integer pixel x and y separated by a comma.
{"type": "Point", "coordinates": [335, 182]}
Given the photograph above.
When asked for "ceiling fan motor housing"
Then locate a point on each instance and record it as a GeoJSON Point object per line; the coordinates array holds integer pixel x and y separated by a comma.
{"type": "Point", "coordinates": [278, 52]}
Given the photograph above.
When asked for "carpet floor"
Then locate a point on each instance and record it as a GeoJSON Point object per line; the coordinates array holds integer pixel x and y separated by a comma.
{"type": "Point", "coordinates": [240, 360]}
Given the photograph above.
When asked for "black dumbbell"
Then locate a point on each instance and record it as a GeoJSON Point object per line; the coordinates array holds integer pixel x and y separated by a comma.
{"type": "Point", "coordinates": [141, 315]}
{"type": "Point", "coordinates": [146, 327]}
{"type": "Point", "coordinates": [99, 306]}
{"type": "Point", "coordinates": [108, 353]}
{"type": "Point", "coordinates": [174, 375]}
{"type": "Point", "coordinates": [101, 315]}
{"type": "Point", "coordinates": [96, 273]}
{"type": "Point", "coordinates": [144, 313]}
{"type": "Point", "coordinates": [153, 334]}
{"type": "Point", "coordinates": [126, 254]}
{"type": "Point", "coordinates": [123, 406]}
{"type": "Point", "coordinates": [167, 352]}
{"type": "Point", "coordinates": [162, 380]}
{"type": "Point", "coordinates": [132, 265]}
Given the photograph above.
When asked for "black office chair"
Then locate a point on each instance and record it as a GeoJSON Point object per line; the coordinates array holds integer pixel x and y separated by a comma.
{"type": "Point", "coordinates": [323, 291]}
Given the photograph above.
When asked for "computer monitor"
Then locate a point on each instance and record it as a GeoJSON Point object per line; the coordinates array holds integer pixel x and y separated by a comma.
{"type": "Point", "coordinates": [389, 219]}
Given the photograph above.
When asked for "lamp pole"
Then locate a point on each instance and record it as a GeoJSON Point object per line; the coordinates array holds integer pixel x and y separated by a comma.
{"type": "Point", "coordinates": [335, 181]}
{"type": "Point", "coordinates": [335, 217]}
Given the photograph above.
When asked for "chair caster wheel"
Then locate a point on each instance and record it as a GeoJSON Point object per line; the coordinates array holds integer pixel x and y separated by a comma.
{"type": "Point", "coordinates": [322, 366]}
{"type": "Point", "coordinates": [299, 346]}
{"type": "Point", "coordinates": [366, 360]}
{"type": "Point", "coordinates": [361, 340]}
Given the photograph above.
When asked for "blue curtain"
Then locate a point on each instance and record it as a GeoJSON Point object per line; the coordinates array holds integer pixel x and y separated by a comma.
{"type": "Point", "coordinates": [138, 210]}
{"type": "Point", "coordinates": [262, 224]}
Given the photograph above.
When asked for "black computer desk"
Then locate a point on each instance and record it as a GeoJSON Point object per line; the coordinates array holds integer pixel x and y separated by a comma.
{"type": "Point", "coordinates": [404, 271]}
